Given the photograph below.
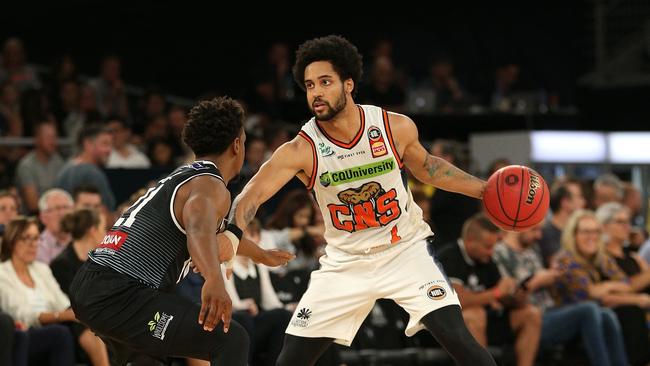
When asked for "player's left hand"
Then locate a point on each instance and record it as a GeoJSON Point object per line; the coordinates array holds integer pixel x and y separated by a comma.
{"type": "Point", "coordinates": [226, 252]}
{"type": "Point", "coordinates": [274, 257]}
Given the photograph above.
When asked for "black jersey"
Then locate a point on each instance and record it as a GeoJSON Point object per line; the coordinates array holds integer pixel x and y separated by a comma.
{"type": "Point", "coordinates": [147, 242]}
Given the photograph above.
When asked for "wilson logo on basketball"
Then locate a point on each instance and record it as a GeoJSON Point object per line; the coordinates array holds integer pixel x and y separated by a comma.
{"type": "Point", "coordinates": [436, 293]}
{"type": "Point", "coordinates": [532, 188]}
{"type": "Point", "coordinates": [512, 179]}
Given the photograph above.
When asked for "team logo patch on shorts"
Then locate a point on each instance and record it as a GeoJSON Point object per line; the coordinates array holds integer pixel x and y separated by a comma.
{"type": "Point", "coordinates": [302, 318]}
{"type": "Point", "coordinates": [436, 292]}
{"type": "Point", "coordinates": [158, 326]}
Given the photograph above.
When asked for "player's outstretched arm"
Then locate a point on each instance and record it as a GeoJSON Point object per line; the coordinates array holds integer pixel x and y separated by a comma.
{"type": "Point", "coordinates": [291, 159]}
{"type": "Point", "coordinates": [206, 204]}
{"type": "Point", "coordinates": [427, 168]}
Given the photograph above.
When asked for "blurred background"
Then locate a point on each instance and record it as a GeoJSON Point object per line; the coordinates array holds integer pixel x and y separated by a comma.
{"type": "Point", "coordinates": [560, 86]}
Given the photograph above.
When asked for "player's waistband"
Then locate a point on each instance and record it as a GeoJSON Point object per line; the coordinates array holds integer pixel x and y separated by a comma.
{"type": "Point", "coordinates": [379, 248]}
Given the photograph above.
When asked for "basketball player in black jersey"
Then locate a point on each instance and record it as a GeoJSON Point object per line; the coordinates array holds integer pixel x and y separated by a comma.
{"type": "Point", "coordinates": [123, 291]}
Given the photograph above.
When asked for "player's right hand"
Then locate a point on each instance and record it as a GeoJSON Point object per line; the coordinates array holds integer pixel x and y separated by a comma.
{"type": "Point", "coordinates": [215, 304]}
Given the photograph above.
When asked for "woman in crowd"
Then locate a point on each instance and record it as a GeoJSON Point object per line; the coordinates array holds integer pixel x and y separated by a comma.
{"type": "Point", "coordinates": [30, 294]}
{"type": "Point", "coordinates": [590, 273]}
{"type": "Point", "coordinates": [615, 219]}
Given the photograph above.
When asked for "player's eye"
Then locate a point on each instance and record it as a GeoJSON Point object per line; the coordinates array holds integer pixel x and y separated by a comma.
{"type": "Point", "coordinates": [326, 82]}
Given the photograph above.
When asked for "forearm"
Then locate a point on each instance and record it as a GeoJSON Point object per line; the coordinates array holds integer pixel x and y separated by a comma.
{"type": "Point", "coordinates": [249, 249]}
{"type": "Point", "coordinates": [243, 210]}
{"type": "Point", "coordinates": [442, 174]}
{"type": "Point", "coordinates": [471, 298]}
{"type": "Point", "coordinates": [205, 255]}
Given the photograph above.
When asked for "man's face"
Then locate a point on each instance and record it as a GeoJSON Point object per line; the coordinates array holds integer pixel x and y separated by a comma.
{"type": "Point", "coordinates": [577, 199]}
{"type": "Point", "coordinates": [326, 95]}
{"type": "Point", "coordinates": [531, 236]}
{"type": "Point", "coordinates": [89, 200]}
{"type": "Point", "coordinates": [481, 248]}
{"type": "Point", "coordinates": [46, 138]}
{"type": "Point", "coordinates": [57, 206]}
{"type": "Point", "coordinates": [101, 147]}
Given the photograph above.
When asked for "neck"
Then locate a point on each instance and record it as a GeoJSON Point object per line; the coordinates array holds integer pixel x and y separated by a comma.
{"type": "Point", "coordinates": [85, 157]}
{"type": "Point", "coordinates": [19, 266]}
{"type": "Point", "coordinates": [83, 246]}
{"type": "Point", "coordinates": [224, 164]}
{"type": "Point", "coordinates": [559, 220]}
{"type": "Point", "coordinates": [61, 237]}
{"type": "Point", "coordinates": [615, 248]}
{"type": "Point", "coordinates": [124, 149]}
{"type": "Point", "coordinates": [344, 119]}
{"type": "Point", "coordinates": [512, 241]}
{"type": "Point", "coordinates": [41, 155]}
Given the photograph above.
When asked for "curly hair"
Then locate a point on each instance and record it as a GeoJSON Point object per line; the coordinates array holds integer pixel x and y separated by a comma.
{"type": "Point", "coordinates": [343, 55]}
{"type": "Point", "coordinates": [213, 125]}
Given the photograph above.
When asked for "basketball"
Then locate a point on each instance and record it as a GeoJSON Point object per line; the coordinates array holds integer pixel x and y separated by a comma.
{"type": "Point", "coordinates": [516, 198]}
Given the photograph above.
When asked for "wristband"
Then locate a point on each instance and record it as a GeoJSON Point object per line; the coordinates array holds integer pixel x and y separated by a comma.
{"type": "Point", "coordinates": [234, 234]}
{"type": "Point", "coordinates": [235, 230]}
{"type": "Point", "coordinates": [496, 292]}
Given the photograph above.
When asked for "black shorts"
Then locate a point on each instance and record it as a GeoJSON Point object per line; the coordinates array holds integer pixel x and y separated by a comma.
{"type": "Point", "coordinates": [134, 318]}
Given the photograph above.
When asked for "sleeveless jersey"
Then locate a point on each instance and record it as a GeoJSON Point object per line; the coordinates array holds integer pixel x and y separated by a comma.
{"type": "Point", "coordinates": [147, 243]}
{"type": "Point", "coordinates": [361, 188]}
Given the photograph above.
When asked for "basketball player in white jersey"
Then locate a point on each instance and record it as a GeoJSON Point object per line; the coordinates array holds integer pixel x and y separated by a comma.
{"type": "Point", "coordinates": [353, 158]}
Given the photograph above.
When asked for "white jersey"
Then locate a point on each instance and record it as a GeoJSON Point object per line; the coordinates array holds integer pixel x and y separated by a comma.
{"type": "Point", "coordinates": [360, 187]}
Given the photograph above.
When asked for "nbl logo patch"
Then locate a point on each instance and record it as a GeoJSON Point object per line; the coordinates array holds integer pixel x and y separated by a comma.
{"type": "Point", "coordinates": [377, 144]}
{"type": "Point", "coordinates": [436, 292]}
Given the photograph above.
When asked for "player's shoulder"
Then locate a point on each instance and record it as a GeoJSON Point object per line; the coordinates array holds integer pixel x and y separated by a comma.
{"type": "Point", "coordinates": [397, 120]}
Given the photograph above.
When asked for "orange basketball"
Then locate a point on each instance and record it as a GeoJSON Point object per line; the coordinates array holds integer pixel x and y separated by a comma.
{"type": "Point", "coordinates": [516, 198]}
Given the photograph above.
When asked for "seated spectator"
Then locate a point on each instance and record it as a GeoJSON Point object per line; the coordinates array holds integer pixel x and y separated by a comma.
{"type": "Point", "coordinates": [449, 210]}
{"type": "Point", "coordinates": [449, 94]}
{"type": "Point", "coordinates": [30, 295]}
{"type": "Point", "coordinates": [95, 143]}
{"type": "Point", "coordinates": [110, 89]}
{"type": "Point", "coordinates": [8, 208]}
{"type": "Point", "coordinates": [607, 188]}
{"type": "Point", "coordinates": [591, 274]}
{"type": "Point", "coordinates": [161, 154]}
{"type": "Point", "coordinates": [124, 154]}
{"type": "Point", "coordinates": [293, 228]}
{"type": "Point", "coordinates": [53, 205]}
{"type": "Point", "coordinates": [383, 88]}
{"type": "Point", "coordinates": [615, 219]}
{"type": "Point", "coordinates": [87, 228]}
{"type": "Point", "coordinates": [88, 196]}
{"type": "Point", "coordinates": [37, 171]}
{"type": "Point", "coordinates": [257, 306]}
{"type": "Point", "coordinates": [11, 121]}
{"type": "Point", "coordinates": [597, 327]}
{"type": "Point", "coordinates": [14, 67]}
{"type": "Point", "coordinates": [566, 197]}
{"type": "Point", "coordinates": [492, 308]}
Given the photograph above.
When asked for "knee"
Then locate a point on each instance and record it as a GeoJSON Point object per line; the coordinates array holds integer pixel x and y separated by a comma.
{"type": "Point", "coordinates": [590, 310]}
{"type": "Point", "coordinates": [533, 316]}
{"type": "Point", "coordinates": [60, 334]}
{"type": "Point", "coordinates": [475, 317]}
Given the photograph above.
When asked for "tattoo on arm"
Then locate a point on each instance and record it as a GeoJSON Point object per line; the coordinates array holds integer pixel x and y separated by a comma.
{"type": "Point", "coordinates": [431, 165]}
{"type": "Point", "coordinates": [249, 214]}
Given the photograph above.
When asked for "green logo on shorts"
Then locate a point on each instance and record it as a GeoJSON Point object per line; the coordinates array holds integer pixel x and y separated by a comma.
{"type": "Point", "coordinates": [159, 324]}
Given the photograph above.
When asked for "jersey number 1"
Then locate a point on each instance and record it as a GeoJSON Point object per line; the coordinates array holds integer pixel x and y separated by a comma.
{"type": "Point", "coordinates": [394, 237]}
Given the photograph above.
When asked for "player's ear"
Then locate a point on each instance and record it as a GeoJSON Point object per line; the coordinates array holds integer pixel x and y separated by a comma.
{"type": "Point", "coordinates": [349, 86]}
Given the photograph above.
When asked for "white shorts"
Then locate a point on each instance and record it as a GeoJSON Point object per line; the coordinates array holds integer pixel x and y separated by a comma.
{"type": "Point", "coordinates": [344, 290]}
